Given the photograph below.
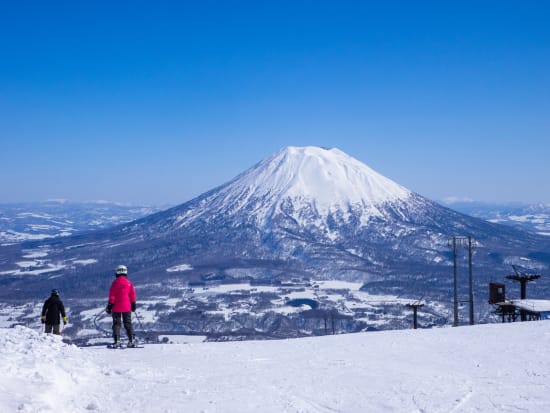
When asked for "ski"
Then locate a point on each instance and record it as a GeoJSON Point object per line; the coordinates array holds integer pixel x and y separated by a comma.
{"type": "Point", "coordinates": [121, 346]}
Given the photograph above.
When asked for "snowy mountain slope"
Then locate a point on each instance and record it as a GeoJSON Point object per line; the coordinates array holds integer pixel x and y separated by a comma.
{"type": "Point", "coordinates": [40, 220]}
{"type": "Point", "coordinates": [534, 217]}
{"type": "Point", "coordinates": [320, 181]}
{"type": "Point", "coordinates": [290, 212]}
{"type": "Point", "coordinates": [303, 213]}
{"type": "Point", "coordinates": [465, 369]}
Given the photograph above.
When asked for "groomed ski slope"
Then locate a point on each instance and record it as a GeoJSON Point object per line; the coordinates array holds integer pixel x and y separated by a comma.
{"type": "Point", "coordinates": [487, 368]}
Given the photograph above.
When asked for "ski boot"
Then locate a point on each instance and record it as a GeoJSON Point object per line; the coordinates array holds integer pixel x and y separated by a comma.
{"type": "Point", "coordinates": [116, 343]}
{"type": "Point", "coordinates": [132, 342]}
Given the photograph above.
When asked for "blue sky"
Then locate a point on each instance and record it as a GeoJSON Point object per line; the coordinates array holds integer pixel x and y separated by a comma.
{"type": "Point", "coordinates": [157, 102]}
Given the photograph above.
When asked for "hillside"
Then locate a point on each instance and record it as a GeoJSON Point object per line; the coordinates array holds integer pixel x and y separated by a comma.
{"type": "Point", "coordinates": [530, 217]}
{"type": "Point", "coordinates": [302, 212]}
{"type": "Point", "coordinates": [300, 217]}
{"type": "Point", "coordinates": [465, 369]}
{"type": "Point", "coordinates": [26, 221]}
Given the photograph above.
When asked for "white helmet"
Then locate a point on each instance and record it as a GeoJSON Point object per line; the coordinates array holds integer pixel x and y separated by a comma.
{"type": "Point", "coordinates": [121, 270]}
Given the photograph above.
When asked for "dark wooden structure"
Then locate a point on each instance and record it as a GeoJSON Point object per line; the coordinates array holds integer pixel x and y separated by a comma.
{"type": "Point", "coordinates": [511, 310]}
{"type": "Point", "coordinates": [508, 311]}
{"type": "Point", "coordinates": [497, 293]}
{"type": "Point", "coordinates": [527, 310]}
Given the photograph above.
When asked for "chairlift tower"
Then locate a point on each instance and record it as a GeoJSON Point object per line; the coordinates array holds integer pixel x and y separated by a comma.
{"type": "Point", "coordinates": [415, 307]}
{"type": "Point", "coordinates": [469, 242]}
{"type": "Point", "coordinates": [523, 279]}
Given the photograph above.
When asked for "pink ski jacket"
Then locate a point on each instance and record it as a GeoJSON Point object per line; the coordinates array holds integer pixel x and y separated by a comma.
{"type": "Point", "coordinates": [122, 294]}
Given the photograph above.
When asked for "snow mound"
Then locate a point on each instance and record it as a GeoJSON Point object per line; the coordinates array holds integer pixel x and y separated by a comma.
{"type": "Point", "coordinates": [40, 373]}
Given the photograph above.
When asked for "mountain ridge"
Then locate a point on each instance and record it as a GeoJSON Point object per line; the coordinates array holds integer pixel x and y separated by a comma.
{"type": "Point", "coordinates": [310, 178]}
{"type": "Point", "coordinates": [402, 248]}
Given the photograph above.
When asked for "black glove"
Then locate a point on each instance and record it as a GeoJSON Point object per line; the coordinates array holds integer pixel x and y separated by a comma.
{"type": "Point", "coordinates": [43, 319]}
{"type": "Point", "coordinates": [109, 308]}
{"type": "Point", "coordinates": [134, 307]}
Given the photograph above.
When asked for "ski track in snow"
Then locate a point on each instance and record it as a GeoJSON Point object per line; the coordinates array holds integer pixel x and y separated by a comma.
{"type": "Point", "coordinates": [489, 368]}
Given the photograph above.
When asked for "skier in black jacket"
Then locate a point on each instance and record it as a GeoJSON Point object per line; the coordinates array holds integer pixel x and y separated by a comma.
{"type": "Point", "coordinates": [51, 310]}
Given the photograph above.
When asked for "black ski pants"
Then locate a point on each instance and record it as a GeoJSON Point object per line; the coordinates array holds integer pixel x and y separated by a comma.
{"type": "Point", "coordinates": [49, 328]}
{"type": "Point", "coordinates": [126, 319]}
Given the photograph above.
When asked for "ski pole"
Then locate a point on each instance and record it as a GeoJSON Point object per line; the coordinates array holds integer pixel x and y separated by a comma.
{"type": "Point", "coordinates": [141, 326]}
{"type": "Point", "coordinates": [105, 332]}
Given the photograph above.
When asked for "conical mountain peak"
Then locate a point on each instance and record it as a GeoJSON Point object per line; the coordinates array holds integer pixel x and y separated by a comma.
{"type": "Point", "coordinates": [326, 177]}
{"type": "Point", "coordinates": [305, 183]}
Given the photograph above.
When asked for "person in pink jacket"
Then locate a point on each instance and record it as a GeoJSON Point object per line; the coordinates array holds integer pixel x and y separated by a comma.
{"type": "Point", "coordinates": [122, 301]}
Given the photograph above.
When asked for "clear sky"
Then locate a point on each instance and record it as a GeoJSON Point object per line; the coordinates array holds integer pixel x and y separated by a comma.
{"type": "Point", "coordinates": [156, 102]}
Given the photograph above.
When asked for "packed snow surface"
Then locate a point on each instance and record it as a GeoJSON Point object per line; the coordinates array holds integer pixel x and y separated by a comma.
{"type": "Point", "coordinates": [487, 368]}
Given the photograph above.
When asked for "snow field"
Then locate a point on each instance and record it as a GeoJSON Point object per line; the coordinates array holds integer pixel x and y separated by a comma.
{"type": "Point", "coordinates": [486, 368]}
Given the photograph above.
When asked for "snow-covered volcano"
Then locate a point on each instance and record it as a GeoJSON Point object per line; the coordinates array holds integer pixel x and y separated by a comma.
{"type": "Point", "coordinates": [302, 212]}
{"type": "Point", "coordinates": [310, 185]}
{"type": "Point", "coordinates": [326, 179]}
